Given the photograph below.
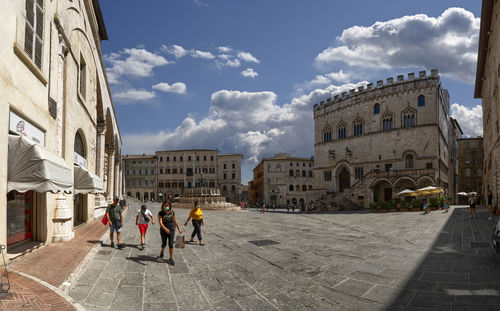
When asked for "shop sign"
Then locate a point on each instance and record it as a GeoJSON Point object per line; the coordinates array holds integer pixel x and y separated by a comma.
{"type": "Point", "coordinates": [78, 159]}
{"type": "Point", "coordinates": [18, 124]}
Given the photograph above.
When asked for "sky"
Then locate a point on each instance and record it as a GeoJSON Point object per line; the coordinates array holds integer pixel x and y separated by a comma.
{"type": "Point", "coordinates": [242, 76]}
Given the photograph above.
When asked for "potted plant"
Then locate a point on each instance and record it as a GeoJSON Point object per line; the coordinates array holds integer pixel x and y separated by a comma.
{"type": "Point", "coordinates": [433, 203]}
{"type": "Point", "coordinates": [394, 206]}
{"type": "Point", "coordinates": [403, 206]}
{"type": "Point", "coordinates": [441, 202]}
{"type": "Point", "coordinates": [416, 205]}
{"type": "Point", "coordinates": [374, 207]}
{"type": "Point", "coordinates": [384, 206]}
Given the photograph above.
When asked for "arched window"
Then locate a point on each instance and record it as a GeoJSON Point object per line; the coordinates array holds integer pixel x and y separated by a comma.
{"type": "Point", "coordinates": [290, 188]}
{"type": "Point", "coordinates": [388, 122]}
{"type": "Point", "coordinates": [376, 109]}
{"type": "Point", "coordinates": [310, 187]}
{"type": "Point", "coordinates": [290, 172]}
{"type": "Point", "coordinates": [297, 173]}
{"type": "Point", "coordinates": [304, 188]}
{"type": "Point", "coordinates": [297, 187]}
{"type": "Point", "coordinates": [358, 127]}
{"type": "Point", "coordinates": [409, 161]}
{"type": "Point", "coordinates": [310, 173]}
{"type": "Point", "coordinates": [409, 118]}
{"type": "Point", "coordinates": [327, 134]}
{"type": "Point", "coordinates": [421, 101]}
{"type": "Point", "coordinates": [79, 146]}
{"type": "Point", "coordinates": [304, 174]}
{"type": "Point", "coordinates": [341, 131]}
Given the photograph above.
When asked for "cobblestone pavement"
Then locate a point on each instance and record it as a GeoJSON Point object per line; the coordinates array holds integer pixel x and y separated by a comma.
{"type": "Point", "coordinates": [341, 261]}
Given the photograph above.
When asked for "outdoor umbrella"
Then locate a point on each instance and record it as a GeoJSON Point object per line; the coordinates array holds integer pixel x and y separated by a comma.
{"type": "Point", "coordinates": [408, 193]}
{"type": "Point", "coordinates": [429, 190]}
{"type": "Point", "coordinates": [472, 193]}
{"type": "Point", "coordinates": [462, 193]}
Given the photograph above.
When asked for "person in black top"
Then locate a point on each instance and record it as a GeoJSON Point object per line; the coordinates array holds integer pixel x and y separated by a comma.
{"type": "Point", "coordinates": [490, 204]}
{"type": "Point", "coordinates": [168, 222]}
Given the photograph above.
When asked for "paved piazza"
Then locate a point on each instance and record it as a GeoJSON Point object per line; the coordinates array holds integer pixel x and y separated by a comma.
{"type": "Point", "coordinates": [341, 261]}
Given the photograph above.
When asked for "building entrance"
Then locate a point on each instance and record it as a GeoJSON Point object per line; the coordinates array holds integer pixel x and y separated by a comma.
{"type": "Point", "coordinates": [19, 217]}
{"type": "Point", "coordinates": [344, 179]}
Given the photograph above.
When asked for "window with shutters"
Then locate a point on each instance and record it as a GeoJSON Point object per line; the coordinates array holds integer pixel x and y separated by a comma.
{"type": "Point", "coordinates": [82, 76]}
{"type": "Point", "coordinates": [33, 34]}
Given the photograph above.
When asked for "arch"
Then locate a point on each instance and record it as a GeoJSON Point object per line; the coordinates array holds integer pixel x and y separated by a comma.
{"type": "Point", "coordinates": [327, 134]}
{"type": "Point", "coordinates": [425, 181]}
{"type": "Point", "coordinates": [376, 108]}
{"type": "Point", "coordinates": [421, 100]}
{"type": "Point", "coordinates": [80, 144]}
{"type": "Point", "coordinates": [302, 202]}
{"type": "Point", "coordinates": [382, 190]}
{"type": "Point", "coordinates": [376, 181]}
{"type": "Point", "coordinates": [110, 135]}
{"type": "Point", "coordinates": [404, 182]}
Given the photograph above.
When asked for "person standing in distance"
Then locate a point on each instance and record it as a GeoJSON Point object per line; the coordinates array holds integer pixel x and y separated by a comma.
{"type": "Point", "coordinates": [142, 219]}
{"type": "Point", "coordinates": [197, 215]}
{"type": "Point", "coordinates": [490, 204]}
{"type": "Point", "coordinates": [168, 222]}
{"type": "Point", "coordinates": [115, 220]}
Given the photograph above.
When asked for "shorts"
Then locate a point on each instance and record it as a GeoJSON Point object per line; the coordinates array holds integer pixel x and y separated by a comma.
{"type": "Point", "coordinates": [114, 228]}
{"type": "Point", "coordinates": [143, 228]}
{"type": "Point", "coordinates": [490, 208]}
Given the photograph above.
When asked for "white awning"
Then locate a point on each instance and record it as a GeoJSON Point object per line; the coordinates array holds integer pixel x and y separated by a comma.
{"type": "Point", "coordinates": [32, 167]}
{"type": "Point", "coordinates": [86, 182]}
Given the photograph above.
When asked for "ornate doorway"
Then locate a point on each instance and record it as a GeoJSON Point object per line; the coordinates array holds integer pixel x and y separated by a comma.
{"type": "Point", "coordinates": [344, 179]}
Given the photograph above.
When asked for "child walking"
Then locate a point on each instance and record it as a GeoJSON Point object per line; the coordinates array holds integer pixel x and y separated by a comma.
{"type": "Point", "coordinates": [197, 215]}
{"type": "Point", "coordinates": [142, 219]}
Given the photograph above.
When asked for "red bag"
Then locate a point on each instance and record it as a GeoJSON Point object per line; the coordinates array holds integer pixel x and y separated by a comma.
{"type": "Point", "coordinates": [104, 220]}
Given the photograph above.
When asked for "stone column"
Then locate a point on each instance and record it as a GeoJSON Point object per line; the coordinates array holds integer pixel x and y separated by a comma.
{"type": "Point", "coordinates": [116, 177]}
{"type": "Point", "coordinates": [63, 214]}
{"type": "Point", "coordinates": [100, 200]}
{"type": "Point", "coordinates": [111, 165]}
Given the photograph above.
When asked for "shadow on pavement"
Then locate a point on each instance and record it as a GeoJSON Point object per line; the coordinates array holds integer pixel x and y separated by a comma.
{"type": "Point", "coordinates": [142, 259]}
{"type": "Point", "coordinates": [460, 271]}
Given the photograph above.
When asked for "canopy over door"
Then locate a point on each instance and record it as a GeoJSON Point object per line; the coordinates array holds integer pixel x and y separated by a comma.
{"type": "Point", "coordinates": [32, 167]}
{"type": "Point", "coordinates": [86, 182]}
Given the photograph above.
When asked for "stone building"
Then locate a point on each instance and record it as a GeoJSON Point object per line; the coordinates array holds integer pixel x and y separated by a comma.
{"type": "Point", "coordinates": [470, 159]}
{"type": "Point", "coordinates": [375, 141]}
{"type": "Point", "coordinates": [487, 85]}
{"type": "Point", "coordinates": [140, 176]}
{"type": "Point", "coordinates": [179, 169]}
{"type": "Point", "coordinates": [60, 115]}
{"type": "Point", "coordinates": [284, 180]}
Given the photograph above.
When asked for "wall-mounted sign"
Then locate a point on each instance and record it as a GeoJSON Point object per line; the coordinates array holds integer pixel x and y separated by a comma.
{"type": "Point", "coordinates": [18, 124]}
{"type": "Point", "coordinates": [78, 159]}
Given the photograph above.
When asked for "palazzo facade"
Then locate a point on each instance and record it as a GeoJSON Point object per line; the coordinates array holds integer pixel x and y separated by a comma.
{"type": "Point", "coordinates": [375, 141]}
{"type": "Point", "coordinates": [61, 127]}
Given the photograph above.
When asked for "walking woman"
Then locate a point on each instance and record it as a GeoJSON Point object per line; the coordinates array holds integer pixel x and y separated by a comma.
{"type": "Point", "coordinates": [197, 215]}
{"type": "Point", "coordinates": [168, 222]}
{"type": "Point", "coordinates": [472, 205]}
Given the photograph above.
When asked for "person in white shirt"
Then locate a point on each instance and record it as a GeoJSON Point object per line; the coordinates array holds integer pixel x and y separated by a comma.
{"type": "Point", "coordinates": [144, 216]}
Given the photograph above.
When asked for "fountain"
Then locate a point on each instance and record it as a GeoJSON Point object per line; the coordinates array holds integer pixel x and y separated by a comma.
{"type": "Point", "coordinates": [209, 199]}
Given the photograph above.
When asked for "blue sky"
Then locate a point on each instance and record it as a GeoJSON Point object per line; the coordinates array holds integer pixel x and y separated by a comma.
{"type": "Point", "coordinates": [242, 76]}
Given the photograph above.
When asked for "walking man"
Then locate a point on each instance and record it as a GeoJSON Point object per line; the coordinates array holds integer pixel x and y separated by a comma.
{"type": "Point", "coordinates": [115, 220]}
{"type": "Point", "coordinates": [490, 204]}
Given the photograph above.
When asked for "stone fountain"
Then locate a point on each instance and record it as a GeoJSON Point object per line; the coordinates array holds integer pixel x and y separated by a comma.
{"type": "Point", "coordinates": [209, 199]}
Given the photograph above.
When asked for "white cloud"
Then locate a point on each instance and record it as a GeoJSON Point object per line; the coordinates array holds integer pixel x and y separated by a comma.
{"type": "Point", "coordinates": [448, 42]}
{"type": "Point", "coordinates": [134, 95]}
{"type": "Point", "coordinates": [200, 3]}
{"type": "Point", "coordinates": [249, 73]}
{"type": "Point", "coordinates": [132, 62]}
{"type": "Point", "coordinates": [177, 50]}
{"type": "Point", "coordinates": [233, 63]}
{"type": "Point", "coordinates": [322, 80]}
{"type": "Point", "coordinates": [201, 54]}
{"type": "Point", "coordinates": [224, 56]}
{"type": "Point", "coordinates": [177, 87]}
{"type": "Point", "coordinates": [251, 123]}
{"type": "Point", "coordinates": [247, 57]}
{"type": "Point", "coordinates": [470, 119]}
{"type": "Point", "coordinates": [224, 49]}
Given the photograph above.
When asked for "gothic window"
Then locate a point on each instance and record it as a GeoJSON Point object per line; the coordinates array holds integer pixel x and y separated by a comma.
{"type": "Point", "coordinates": [409, 118]}
{"type": "Point", "coordinates": [341, 131]}
{"type": "Point", "coordinates": [79, 146]}
{"type": "Point", "coordinates": [33, 33]}
{"type": "Point", "coordinates": [358, 127]}
{"type": "Point", "coordinates": [327, 134]}
{"type": "Point", "coordinates": [421, 101]}
{"type": "Point", "coordinates": [376, 109]}
{"type": "Point", "coordinates": [387, 122]}
{"type": "Point", "coordinates": [409, 161]}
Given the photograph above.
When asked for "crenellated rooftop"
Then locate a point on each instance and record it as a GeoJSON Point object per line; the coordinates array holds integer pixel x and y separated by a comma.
{"type": "Point", "coordinates": [422, 75]}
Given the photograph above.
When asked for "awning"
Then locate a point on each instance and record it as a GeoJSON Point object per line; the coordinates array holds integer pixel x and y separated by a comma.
{"type": "Point", "coordinates": [86, 182]}
{"type": "Point", "coordinates": [32, 167]}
